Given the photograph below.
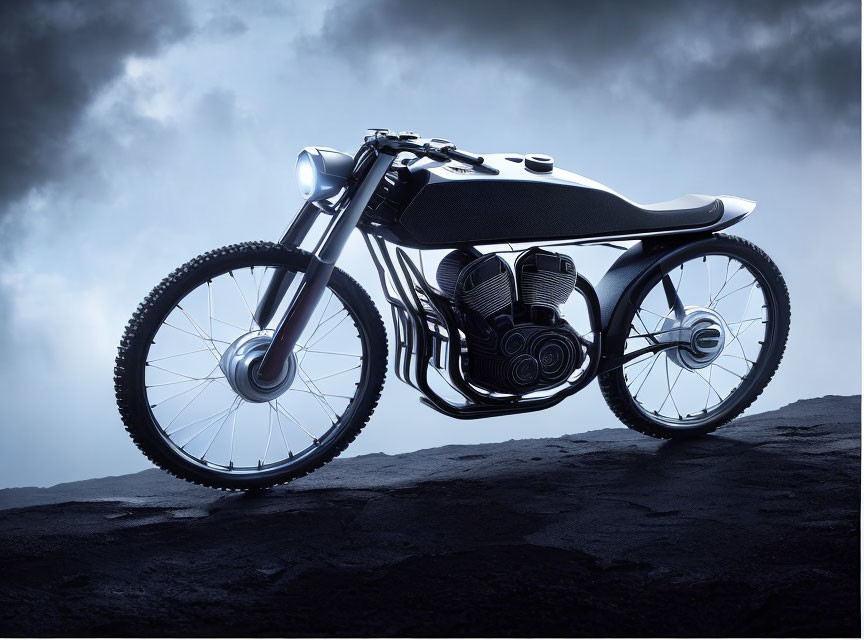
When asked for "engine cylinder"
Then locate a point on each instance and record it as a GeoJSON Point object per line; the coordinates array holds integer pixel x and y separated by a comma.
{"type": "Point", "coordinates": [545, 279]}
{"type": "Point", "coordinates": [516, 344]}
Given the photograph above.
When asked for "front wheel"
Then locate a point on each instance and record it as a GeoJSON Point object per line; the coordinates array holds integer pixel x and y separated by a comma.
{"type": "Point", "coordinates": [726, 296]}
{"type": "Point", "coordinates": [190, 419]}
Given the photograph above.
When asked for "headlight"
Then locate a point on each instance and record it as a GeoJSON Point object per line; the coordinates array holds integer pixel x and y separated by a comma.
{"type": "Point", "coordinates": [305, 175]}
{"type": "Point", "coordinates": [322, 172]}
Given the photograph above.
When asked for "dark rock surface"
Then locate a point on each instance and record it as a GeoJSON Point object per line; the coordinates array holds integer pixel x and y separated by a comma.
{"type": "Point", "coordinates": [753, 531]}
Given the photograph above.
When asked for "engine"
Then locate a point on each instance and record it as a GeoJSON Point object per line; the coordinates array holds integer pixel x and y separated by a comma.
{"type": "Point", "coordinates": [516, 340]}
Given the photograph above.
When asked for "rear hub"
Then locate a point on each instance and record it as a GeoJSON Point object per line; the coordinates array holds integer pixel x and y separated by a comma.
{"type": "Point", "coordinates": [702, 334]}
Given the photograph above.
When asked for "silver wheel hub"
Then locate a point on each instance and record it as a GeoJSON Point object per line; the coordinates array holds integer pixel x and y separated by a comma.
{"type": "Point", "coordinates": [240, 364]}
{"type": "Point", "coordinates": [704, 332]}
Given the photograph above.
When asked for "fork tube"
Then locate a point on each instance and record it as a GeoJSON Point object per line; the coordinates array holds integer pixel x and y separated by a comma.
{"type": "Point", "coordinates": [317, 276]}
{"type": "Point", "coordinates": [282, 277]}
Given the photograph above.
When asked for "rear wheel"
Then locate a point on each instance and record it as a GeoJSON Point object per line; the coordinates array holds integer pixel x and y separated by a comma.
{"type": "Point", "coordinates": [733, 305]}
{"type": "Point", "coordinates": [190, 419]}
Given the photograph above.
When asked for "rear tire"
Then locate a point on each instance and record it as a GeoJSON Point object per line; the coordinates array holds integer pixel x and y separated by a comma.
{"type": "Point", "coordinates": [615, 388]}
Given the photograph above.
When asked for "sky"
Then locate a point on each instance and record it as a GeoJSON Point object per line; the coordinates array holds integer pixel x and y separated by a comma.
{"type": "Point", "coordinates": [135, 136]}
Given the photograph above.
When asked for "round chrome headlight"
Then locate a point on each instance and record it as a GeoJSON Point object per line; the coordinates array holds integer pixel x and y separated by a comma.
{"type": "Point", "coordinates": [322, 172]}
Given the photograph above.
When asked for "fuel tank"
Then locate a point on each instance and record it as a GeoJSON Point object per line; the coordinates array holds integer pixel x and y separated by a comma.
{"type": "Point", "coordinates": [514, 198]}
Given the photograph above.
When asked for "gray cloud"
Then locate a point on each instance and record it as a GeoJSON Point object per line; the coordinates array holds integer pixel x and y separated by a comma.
{"type": "Point", "coordinates": [56, 56]}
{"type": "Point", "coordinates": [794, 60]}
{"type": "Point", "coordinates": [225, 26]}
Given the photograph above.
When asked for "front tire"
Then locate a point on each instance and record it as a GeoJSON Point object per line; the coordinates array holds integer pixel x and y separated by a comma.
{"type": "Point", "coordinates": [621, 388]}
{"type": "Point", "coordinates": [166, 316]}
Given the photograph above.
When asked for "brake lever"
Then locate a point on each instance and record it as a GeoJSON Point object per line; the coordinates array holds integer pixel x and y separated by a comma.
{"type": "Point", "coordinates": [464, 156]}
{"type": "Point", "coordinates": [435, 153]}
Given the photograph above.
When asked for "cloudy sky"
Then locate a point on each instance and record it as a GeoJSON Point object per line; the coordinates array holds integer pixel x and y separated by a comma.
{"type": "Point", "coordinates": [134, 136]}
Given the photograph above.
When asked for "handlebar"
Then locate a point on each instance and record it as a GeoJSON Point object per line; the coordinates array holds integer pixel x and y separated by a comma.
{"type": "Point", "coordinates": [386, 141]}
{"type": "Point", "coordinates": [434, 148]}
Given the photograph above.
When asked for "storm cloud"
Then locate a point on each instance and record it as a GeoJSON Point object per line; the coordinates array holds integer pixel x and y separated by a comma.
{"type": "Point", "coordinates": [54, 59]}
{"type": "Point", "coordinates": [798, 61]}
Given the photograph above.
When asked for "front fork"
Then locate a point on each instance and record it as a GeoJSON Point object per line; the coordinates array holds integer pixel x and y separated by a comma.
{"type": "Point", "coordinates": [316, 277]}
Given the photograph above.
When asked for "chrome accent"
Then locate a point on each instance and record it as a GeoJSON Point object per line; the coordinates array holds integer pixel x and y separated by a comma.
{"type": "Point", "coordinates": [240, 364]}
{"type": "Point", "coordinates": [703, 329]}
{"type": "Point", "coordinates": [328, 171]}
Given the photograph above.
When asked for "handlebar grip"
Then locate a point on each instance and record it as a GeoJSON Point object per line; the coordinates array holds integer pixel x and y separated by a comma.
{"type": "Point", "coordinates": [464, 156]}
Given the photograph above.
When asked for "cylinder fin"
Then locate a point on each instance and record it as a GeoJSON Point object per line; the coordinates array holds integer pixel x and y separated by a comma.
{"type": "Point", "coordinates": [545, 279]}
{"type": "Point", "coordinates": [486, 286]}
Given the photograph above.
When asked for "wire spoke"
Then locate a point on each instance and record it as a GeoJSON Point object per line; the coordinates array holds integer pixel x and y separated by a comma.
{"type": "Point", "coordinates": [338, 373]}
{"type": "Point", "coordinates": [710, 386]}
{"type": "Point", "coordinates": [206, 338]}
{"type": "Point", "coordinates": [281, 431]}
{"type": "Point", "coordinates": [671, 388]}
{"type": "Point", "coordinates": [726, 281]}
{"type": "Point", "coordinates": [168, 384]}
{"type": "Point", "coordinates": [295, 421]}
{"type": "Point", "coordinates": [257, 284]}
{"type": "Point", "coordinates": [269, 437]}
{"type": "Point", "coordinates": [316, 393]}
{"type": "Point", "coordinates": [656, 357]}
{"type": "Point", "coordinates": [210, 306]}
{"type": "Point", "coordinates": [333, 353]}
{"type": "Point", "coordinates": [176, 395]}
{"type": "Point", "coordinates": [320, 318]}
{"type": "Point", "coordinates": [329, 395]}
{"type": "Point", "coordinates": [181, 375]}
{"type": "Point", "coordinates": [741, 348]}
{"type": "Point", "coordinates": [229, 324]}
{"type": "Point", "coordinates": [196, 335]}
{"type": "Point", "coordinates": [743, 321]}
{"type": "Point", "coordinates": [186, 406]}
{"type": "Point", "coordinates": [708, 271]}
{"type": "Point", "coordinates": [332, 329]}
{"type": "Point", "coordinates": [716, 300]}
{"type": "Point", "coordinates": [720, 366]}
{"type": "Point", "coordinates": [246, 304]}
{"type": "Point", "coordinates": [237, 402]}
{"type": "Point", "coordinates": [225, 413]}
{"type": "Point", "coordinates": [642, 322]}
{"type": "Point", "coordinates": [216, 415]}
{"type": "Point", "coordinates": [178, 355]}
{"type": "Point", "coordinates": [643, 369]}
{"type": "Point", "coordinates": [653, 313]}
{"type": "Point", "coordinates": [233, 430]}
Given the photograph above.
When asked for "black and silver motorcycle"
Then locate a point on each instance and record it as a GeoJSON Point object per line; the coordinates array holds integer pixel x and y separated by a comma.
{"type": "Point", "coordinates": [259, 362]}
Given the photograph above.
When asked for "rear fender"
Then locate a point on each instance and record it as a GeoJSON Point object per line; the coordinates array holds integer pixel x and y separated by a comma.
{"type": "Point", "coordinates": [644, 262]}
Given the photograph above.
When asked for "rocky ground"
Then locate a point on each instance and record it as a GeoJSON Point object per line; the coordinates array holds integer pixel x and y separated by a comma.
{"type": "Point", "coordinates": [751, 532]}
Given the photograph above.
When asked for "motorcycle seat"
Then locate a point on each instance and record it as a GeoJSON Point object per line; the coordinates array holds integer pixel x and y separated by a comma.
{"type": "Point", "coordinates": [690, 206]}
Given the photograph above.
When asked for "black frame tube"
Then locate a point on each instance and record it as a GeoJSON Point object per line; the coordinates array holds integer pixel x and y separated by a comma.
{"type": "Point", "coordinates": [281, 279]}
{"type": "Point", "coordinates": [414, 317]}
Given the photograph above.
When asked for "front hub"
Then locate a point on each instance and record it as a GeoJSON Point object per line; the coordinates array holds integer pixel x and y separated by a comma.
{"type": "Point", "coordinates": [240, 364]}
{"type": "Point", "coordinates": [702, 333]}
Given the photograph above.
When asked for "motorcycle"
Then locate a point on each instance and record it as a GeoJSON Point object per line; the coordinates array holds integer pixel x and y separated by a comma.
{"type": "Point", "coordinates": [259, 362]}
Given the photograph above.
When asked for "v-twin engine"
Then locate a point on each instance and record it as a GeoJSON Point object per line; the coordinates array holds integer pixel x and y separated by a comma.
{"type": "Point", "coordinates": [516, 340]}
